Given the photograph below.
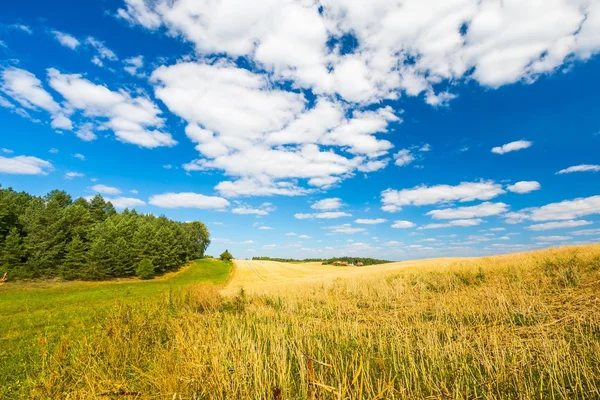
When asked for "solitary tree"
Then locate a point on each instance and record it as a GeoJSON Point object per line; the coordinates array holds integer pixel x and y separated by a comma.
{"type": "Point", "coordinates": [226, 256]}
{"type": "Point", "coordinates": [145, 269]}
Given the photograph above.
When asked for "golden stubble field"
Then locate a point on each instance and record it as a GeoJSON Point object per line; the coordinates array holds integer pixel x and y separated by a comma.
{"type": "Point", "coordinates": [267, 276]}
{"type": "Point", "coordinates": [522, 326]}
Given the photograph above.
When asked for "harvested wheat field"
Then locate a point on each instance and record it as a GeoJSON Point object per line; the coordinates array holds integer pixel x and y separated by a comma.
{"type": "Point", "coordinates": [522, 326]}
{"type": "Point", "coordinates": [264, 276]}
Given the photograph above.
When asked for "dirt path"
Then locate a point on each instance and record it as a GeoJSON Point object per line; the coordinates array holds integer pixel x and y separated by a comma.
{"type": "Point", "coordinates": [261, 276]}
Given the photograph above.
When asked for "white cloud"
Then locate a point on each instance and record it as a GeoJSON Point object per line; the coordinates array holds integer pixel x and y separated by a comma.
{"type": "Point", "coordinates": [103, 52]}
{"type": "Point", "coordinates": [6, 151]}
{"type": "Point", "coordinates": [53, 151]}
{"type": "Point", "coordinates": [454, 223]}
{"type": "Point", "coordinates": [27, 90]}
{"type": "Point", "coordinates": [132, 119]}
{"type": "Point", "coordinates": [244, 209]}
{"type": "Point", "coordinates": [86, 133]}
{"type": "Point", "coordinates": [303, 237]}
{"type": "Point", "coordinates": [561, 211]}
{"type": "Point", "coordinates": [126, 202]}
{"type": "Point", "coordinates": [249, 146]}
{"type": "Point", "coordinates": [344, 228]}
{"type": "Point", "coordinates": [366, 221]}
{"type": "Point", "coordinates": [133, 65]}
{"type": "Point", "coordinates": [401, 47]}
{"type": "Point", "coordinates": [323, 215]}
{"type": "Point", "coordinates": [188, 200]}
{"type": "Point", "coordinates": [497, 229]}
{"type": "Point", "coordinates": [78, 156]}
{"type": "Point", "coordinates": [558, 225]}
{"type": "Point", "coordinates": [71, 175]}
{"type": "Point", "coordinates": [133, 191]}
{"type": "Point", "coordinates": [524, 187]}
{"type": "Point", "coordinates": [425, 147]}
{"type": "Point", "coordinates": [291, 234]}
{"type": "Point", "coordinates": [66, 40]}
{"type": "Point", "coordinates": [552, 238]}
{"type": "Point", "coordinates": [403, 157]}
{"type": "Point", "coordinates": [265, 228]}
{"type": "Point", "coordinates": [104, 189]}
{"type": "Point", "coordinates": [328, 204]}
{"type": "Point", "coordinates": [512, 146]}
{"type": "Point", "coordinates": [580, 168]}
{"type": "Point", "coordinates": [22, 28]}
{"type": "Point", "coordinates": [586, 232]}
{"type": "Point", "coordinates": [485, 209]}
{"type": "Point", "coordinates": [394, 200]}
{"type": "Point", "coordinates": [403, 224]}
{"type": "Point", "coordinates": [269, 246]}
{"type": "Point", "coordinates": [24, 165]}
{"type": "Point", "coordinates": [392, 243]}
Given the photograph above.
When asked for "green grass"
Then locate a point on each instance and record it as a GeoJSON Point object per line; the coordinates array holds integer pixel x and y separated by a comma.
{"type": "Point", "coordinates": [31, 312]}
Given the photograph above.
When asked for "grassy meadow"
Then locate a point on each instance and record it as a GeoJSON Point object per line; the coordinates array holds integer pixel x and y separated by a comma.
{"type": "Point", "coordinates": [36, 315]}
{"type": "Point", "coordinates": [523, 326]}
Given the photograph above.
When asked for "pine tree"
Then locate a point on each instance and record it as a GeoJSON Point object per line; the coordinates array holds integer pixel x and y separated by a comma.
{"type": "Point", "coordinates": [75, 259]}
{"type": "Point", "coordinates": [145, 269]}
{"type": "Point", "coordinates": [12, 252]}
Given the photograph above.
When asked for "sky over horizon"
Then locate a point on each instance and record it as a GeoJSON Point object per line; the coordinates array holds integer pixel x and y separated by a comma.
{"type": "Point", "coordinates": [311, 129]}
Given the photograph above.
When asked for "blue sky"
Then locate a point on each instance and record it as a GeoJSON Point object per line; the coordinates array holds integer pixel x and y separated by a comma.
{"type": "Point", "coordinates": [314, 129]}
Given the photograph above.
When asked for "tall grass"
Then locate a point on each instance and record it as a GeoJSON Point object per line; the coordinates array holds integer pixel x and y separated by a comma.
{"type": "Point", "coordinates": [523, 326]}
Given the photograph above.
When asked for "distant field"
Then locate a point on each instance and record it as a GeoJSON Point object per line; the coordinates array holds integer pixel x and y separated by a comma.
{"type": "Point", "coordinates": [30, 311]}
{"type": "Point", "coordinates": [522, 326]}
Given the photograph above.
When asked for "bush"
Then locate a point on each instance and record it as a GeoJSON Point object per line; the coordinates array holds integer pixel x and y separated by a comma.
{"type": "Point", "coordinates": [226, 256]}
{"type": "Point", "coordinates": [145, 269]}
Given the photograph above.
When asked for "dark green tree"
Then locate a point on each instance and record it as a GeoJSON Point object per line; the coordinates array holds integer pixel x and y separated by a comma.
{"type": "Point", "coordinates": [12, 252]}
{"type": "Point", "coordinates": [75, 259]}
{"type": "Point", "coordinates": [226, 256]}
{"type": "Point", "coordinates": [145, 269]}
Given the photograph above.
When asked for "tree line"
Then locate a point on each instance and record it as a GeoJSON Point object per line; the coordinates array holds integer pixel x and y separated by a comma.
{"type": "Point", "coordinates": [356, 260]}
{"type": "Point", "coordinates": [56, 236]}
{"type": "Point", "coordinates": [328, 261]}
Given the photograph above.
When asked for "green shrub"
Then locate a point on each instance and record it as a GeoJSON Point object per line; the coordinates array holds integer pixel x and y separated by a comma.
{"type": "Point", "coordinates": [145, 269]}
{"type": "Point", "coordinates": [226, 256]}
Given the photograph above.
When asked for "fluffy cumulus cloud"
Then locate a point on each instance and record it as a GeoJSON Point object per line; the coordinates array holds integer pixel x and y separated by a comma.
{"type": "Point", "coordinates": [404, 46]}
{"type": "Point", "coordinates": [579, 168]}
{"type": "Point", "coordinates": [126, 202]}
{"type": "Point", "coordinates": [322, 215]}
{"type": "Point", "coordinates": [345, 229]}
{"type": "Point", "coordinates": [275, 138]}
{"type": "Point", "coordinates": [104, 189]}
{"type": "Point", "coordinates": [328, 204]}
{"type": "Point", "coordinates": [561, 211]}
{"type": "Point", "coordinates": [188, 200]}
{"type": "Point", "coordinates": [454, 223]}
{"type": "Point", "coordinates": [485, 209]}
{"type": "Point", "coordinates": [133, 119]}
{"type": "Point", "coordinates": [397, 49]}
{"type": "Point", "coordinates": [394, 200]}
{"type": "Point", "coordinates": [524, 187]}
{"type": "Point", "coordinates": [72, 175]}
{"type": "Point", "coordinates": [403, 224]}
{"type": "Point", "coordinates": [245, 209]}
{"type": "Point", "coordinates": [366, 221]}
{"type": "Point", "coordinates": [25, 165]}
{"type": "Point", "coordinates": [66, 40]}
{"type": "Point", "coordinates": [558, 225]}
{"type": "Point", "coordinates": [27, 90]}
{"type": "Point", "coordinates": [512, 146]}
{"type": "Point", "coordinates": [551, 238]}
{"type": "Point", "coordinates": [403, 157]}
